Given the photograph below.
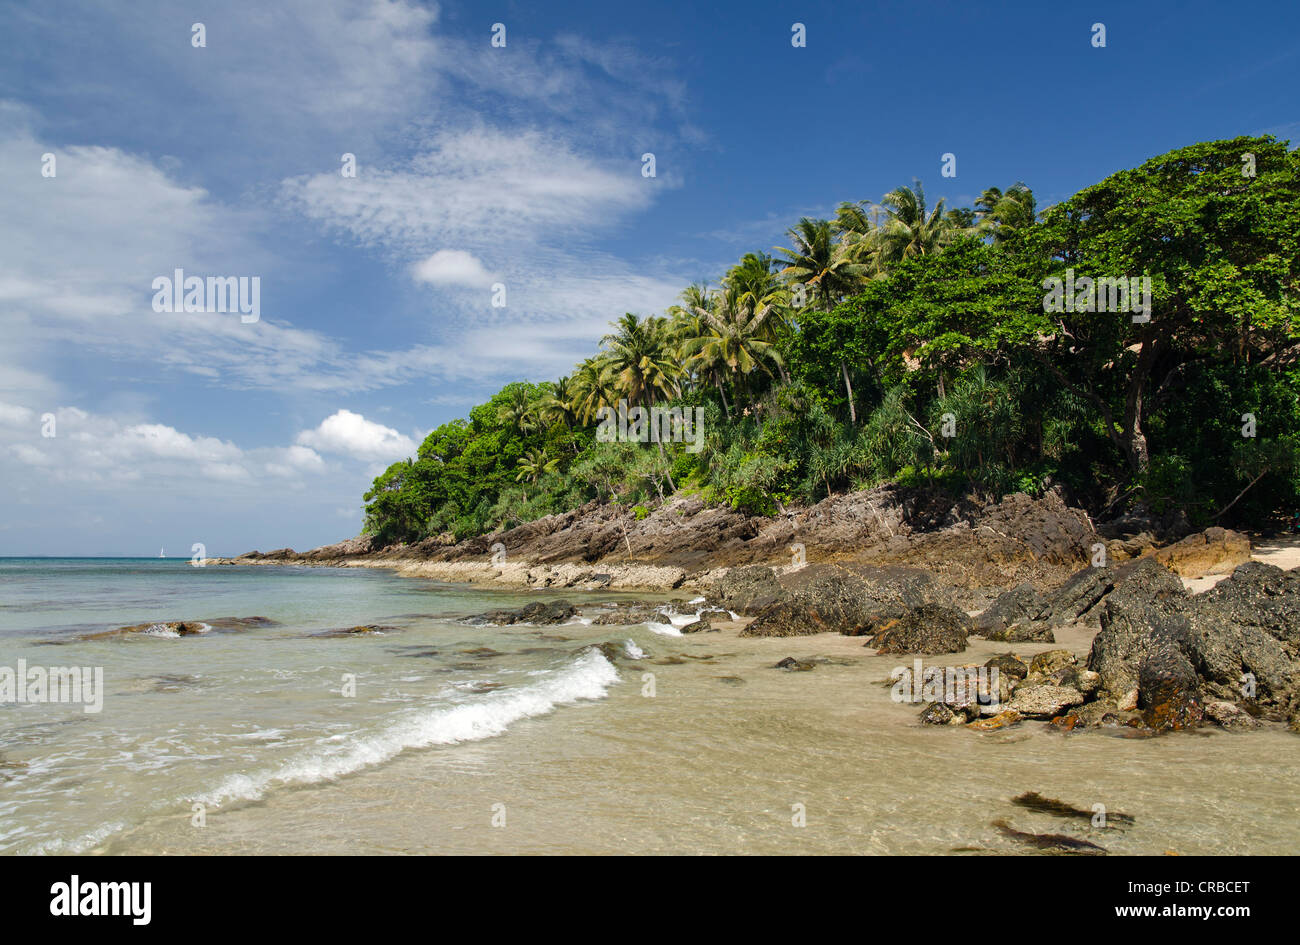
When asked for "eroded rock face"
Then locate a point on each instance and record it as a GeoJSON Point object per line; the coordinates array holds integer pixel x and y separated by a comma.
{"type": "Point", "coordinates": [928, 630]}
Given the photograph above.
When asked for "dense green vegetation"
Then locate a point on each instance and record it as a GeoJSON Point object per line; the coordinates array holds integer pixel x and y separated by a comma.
{"type": "Point", "coordinates": [911, 343]}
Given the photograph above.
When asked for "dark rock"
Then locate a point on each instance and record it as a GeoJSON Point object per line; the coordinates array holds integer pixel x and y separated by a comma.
{"type": "Point", "coordinates": [1021, 604]}
{"type": "Point", "coordinates": [1143, 599]}
{"type": "Point", "coordinates": [699, 626]}
{"type": "Point", "coordinates": [929, 629]}
{"type": "Point", "coordinates": [1168, 690]}
{"type": "Point", "coordinates": [830, 600]}
{"type": "Point", "coordinates": [936, 713]}
{"type": "Point", "coordinates": [538, 612]}
{"type": "Point", "coordinates": [1250, 624]}
{"type": "Point", "coordinates": [747, 590]}
{"type": "Point", "coordinates": [1038, 631]}
{"type": "Point", "coordinates": [1079, 594]}
{"type": "Point", "coordinates": [1008, 664]}
{"type": "Point", "coordinates": [792, 665]}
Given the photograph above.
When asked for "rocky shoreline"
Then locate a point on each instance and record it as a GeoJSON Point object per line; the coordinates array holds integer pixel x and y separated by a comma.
{"type": "Point", "coordinates": [979, 550]}
{"type": "Point", "coordinates": [915, 576]}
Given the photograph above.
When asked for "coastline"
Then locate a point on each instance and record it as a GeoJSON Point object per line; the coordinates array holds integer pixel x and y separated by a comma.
{"type": "Point", "coordinates": [716, 761]}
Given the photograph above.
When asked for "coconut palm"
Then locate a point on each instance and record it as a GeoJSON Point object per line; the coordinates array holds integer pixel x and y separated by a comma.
{"type": "Point", "coordinates": [593, 387]}
{"type": "Point", "coordinates": [734, 344]}
{"type": "Point", "coordinates": [1004, 214]}
{"type": "Point", "coordinates": [910, 229]}
{"type": "Point", "coordinates": [832, 268]}
{"type": "Point", "coordinates": [533, 465]}
{"type": "Point", "coordinates": [518, 412]}
{"type": "Point", "coordinates": [641, 355]}
{"type": "Point", "coordinates": [554, 405]}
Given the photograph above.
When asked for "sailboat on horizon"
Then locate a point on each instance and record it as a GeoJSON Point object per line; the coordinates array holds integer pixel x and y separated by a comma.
{"type": "Point", "coordinates": [162, 552]}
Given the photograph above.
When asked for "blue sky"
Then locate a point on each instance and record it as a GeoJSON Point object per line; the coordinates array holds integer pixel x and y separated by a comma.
{"type": "Point", "coordinates": [476, 165]}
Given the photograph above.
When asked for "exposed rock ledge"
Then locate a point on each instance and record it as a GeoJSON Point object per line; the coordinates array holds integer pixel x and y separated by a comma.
{"type": "Point", "coordinates": [976, 549]}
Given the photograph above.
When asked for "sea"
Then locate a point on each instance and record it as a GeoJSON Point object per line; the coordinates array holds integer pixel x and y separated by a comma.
{"type": "Point", "coordinates": [268, 728]}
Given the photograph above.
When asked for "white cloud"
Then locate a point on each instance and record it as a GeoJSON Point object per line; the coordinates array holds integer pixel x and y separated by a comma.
{"type": "Point", "coordinates": [353, 435]}
{"type": "Point", "coordinates": [479, 186]}
{"type": "Point", "coordinates": [453, 267]}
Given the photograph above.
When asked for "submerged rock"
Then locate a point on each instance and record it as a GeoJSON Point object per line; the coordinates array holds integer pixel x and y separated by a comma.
{"type": "Point", "coordinates": [538, 612]}
{"type": "Point", "coordinates": [1049, 841]}
{"type": "Point", "coordinates": [792, 665]}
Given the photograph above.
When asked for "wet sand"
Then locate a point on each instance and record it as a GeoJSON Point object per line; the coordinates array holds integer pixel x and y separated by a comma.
{"type": "Point", "coordinates": [729, 753]}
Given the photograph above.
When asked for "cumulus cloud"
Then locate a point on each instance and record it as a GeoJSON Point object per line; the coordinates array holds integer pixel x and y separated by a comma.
{"type": "Point", "coordinates": [353, 435]}
{"type": "Point", "coordinates": [453, 267]}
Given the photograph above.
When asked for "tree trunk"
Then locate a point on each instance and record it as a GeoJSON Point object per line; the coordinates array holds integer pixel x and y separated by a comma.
{"type": "Point", "coordinates": [1139, 455]}
{"type": "Point", "coordinates": [848, 390]}
{"type": "Point", "coordinates": [723, 394]}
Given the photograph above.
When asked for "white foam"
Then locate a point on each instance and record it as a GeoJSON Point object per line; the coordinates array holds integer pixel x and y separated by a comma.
{"type": "Point", "coordinates": [633, 651]}
{"type": "Point", "coordinates": [666, 629]}
{"type": "Point", "coordinates": [587, 677]}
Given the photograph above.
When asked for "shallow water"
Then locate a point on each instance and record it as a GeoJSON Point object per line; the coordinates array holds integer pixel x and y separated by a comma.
{"type": "Point", "coordinates": [544, 748]}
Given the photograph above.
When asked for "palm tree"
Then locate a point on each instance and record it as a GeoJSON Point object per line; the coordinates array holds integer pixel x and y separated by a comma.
{"type": "Point", "coordinates": [518, 411]}
{"type": "Point", "coordinates": [554, 405]}
{"type": "Point", "coordinates": [753, 276]}
{"type": "Point", "coordinates": [1004, 214]}
{"type": "Point", "coordinates": [910, 229]}
{"type": "Point", "coordinates": [533, 465]}
{"type": "Point", "coordinates": [832, 268]}
{"type": "Point", "coordinates": [641, 357]}
{"type": "Point", "coordinates": [593, 387]}
{"type": "Point", "coordinates": [734, 343]}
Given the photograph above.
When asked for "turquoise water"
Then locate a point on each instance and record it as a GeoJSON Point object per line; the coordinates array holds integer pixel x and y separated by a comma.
{"type": "Point", "coordinates": [230, 716]}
